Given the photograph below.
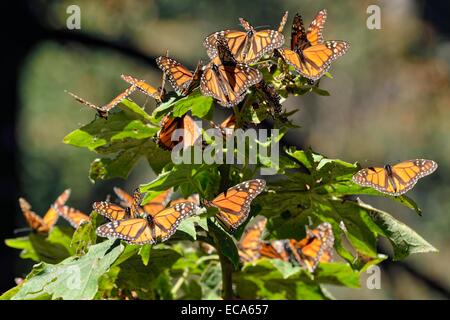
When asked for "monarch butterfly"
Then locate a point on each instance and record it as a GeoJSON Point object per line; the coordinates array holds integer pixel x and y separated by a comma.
{"type": "Point", "coordinates": [225, 79]}
{"type": "Point", "coordinates": [43, 224]}
{"type": "Point", "coordinates": [192, 198]}
{"type": "Point", "coordinates": [181, 79]}
{"type": "Point", "coordinates": [249, 246]}
{"type": "Point", "coordinates": [103, 111]}
{"type": "Point", "coordinates": [396, 179]}
{"type": "Point", "coordinates": [150, 228]}
{"type": "Point", "coordinates": [144, 87]}
{"type": "Point", "coordinates": [247, 47]}
{"type": "Point", "coordinates": [314, 248]}
{"type": "Point", "coordinates": [131, 209]}
{"type": "Point", "coordinates": [155, 205]}
{"type": "Point", "coordinates": [168, 124]}
{"type": "Point", "coordinates": [309, 54]}
{"type": "Point", "coordinates": [72, 215]}
{"type": "Point", "coordinates": [234, 204]}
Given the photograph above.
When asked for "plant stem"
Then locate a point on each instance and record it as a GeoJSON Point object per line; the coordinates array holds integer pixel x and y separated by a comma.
{"type": "Point", "coordinates": [227, 277]}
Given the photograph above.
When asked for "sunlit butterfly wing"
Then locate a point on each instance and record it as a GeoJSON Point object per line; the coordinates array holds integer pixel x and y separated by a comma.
{"type": "Point", "coordinates": [159, 202]}
{"type": "Point", "coordinates": [103, 111]}
{"type": "Point", "coordinates": [397, 179]}
{"type": "Point", "coordinates": [234, 204]}
{"type": "Point", "coordinates": [246, 46]}
{"type": "Point", "coordinates": [314, 32]}
{"type": "Point", "coordinates": [181, 79]}
{"type": "Point", "coordinates": [313, 62]}
{"type": "Point", "coordinates": [283, 22]}
{"type": "Point", "coordinates": [226, 80]}
{"type": "Point", "coordinates": [274, 249]}
{"type": "Point", "coordinates": [158, 227]}
{"type": "Point", "coordinates": [51, 216]}
{"type": "Point", "coordinates": [191, 132]}
{"type": "Point", "coordinates": [72, 215]}
{"type": "Point", "coordinates": [249, 245]}
{"type": "Point", "coordinates": [34, 221]}
{"type": "Point", "coordinates": [144, 87]}
{"type": "Point", "coordinates": [110, 211]}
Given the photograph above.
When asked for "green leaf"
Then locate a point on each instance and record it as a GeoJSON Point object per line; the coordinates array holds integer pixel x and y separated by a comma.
{"type": "Point", "coordinates": [144, 252]}
{"type": "Point", "coordinates": [211, 281]}
{"type": "Point", "coordinates": [199, 105]}
{"type": "Point", "coordinates": [263, 280]}
{"type": "Point", "coordinates": [24, 244]}
{"type": "Point", "coordinates": [404, 240]}
{"type": "Point", "coordinates": [224, 243]}
{"type": "Point", "coordinates": [71, 279]}
{"type": "Point", "coordinates": [337, 274]}
{"type": "Point", "coordinates": [85, 235]}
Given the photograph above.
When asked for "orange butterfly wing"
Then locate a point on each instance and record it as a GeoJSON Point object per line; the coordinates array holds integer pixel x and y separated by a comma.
{"type": "Point", "coordinates": [51, 215]}
{"type": "Point", "coordinates": [72, 215]}
{"type": "Point", "coordinates": [234, 204]}
{"type": "Point", "coordinates": [34, 221]}
{"type": "Point", "coordinates": [314, 32]}
{"type": "Point", "coordinates": [249, 245]}
{"type": "Point", "coordinates": [193, 198]}
{"type": "Point", "coordinates": [144, 87]}
{"type": "Point", "coordinates": [191, 132]}
{"type": "Point", "coordinates": [274, 250]}
{"type": "Point", "coordinates": [316, 247]}
{"type": "Point", "coordinates": [110, 211]}
{"type": "Point", "coordinates": [181, 79]}
{"type": "Point", "coordinates": [158, 203]}
{"type": "Point", "coordinates": [313, 62]}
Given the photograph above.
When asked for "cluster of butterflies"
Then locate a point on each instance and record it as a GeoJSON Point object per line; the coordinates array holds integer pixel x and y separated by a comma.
{"type": "Point", "coordinates": [154, 221]}
{"type": "Point", "coordinates": [229, 74]}
{"type": "Point", "coordinates": [308, 252]}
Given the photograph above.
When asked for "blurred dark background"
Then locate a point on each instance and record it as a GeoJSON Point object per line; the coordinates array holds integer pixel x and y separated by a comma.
{"type": "Point", "coordinates": [390, 101]}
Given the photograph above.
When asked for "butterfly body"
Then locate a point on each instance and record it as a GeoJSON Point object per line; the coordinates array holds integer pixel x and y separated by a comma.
{"type": "Point", "coordinates": [395, 179]}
